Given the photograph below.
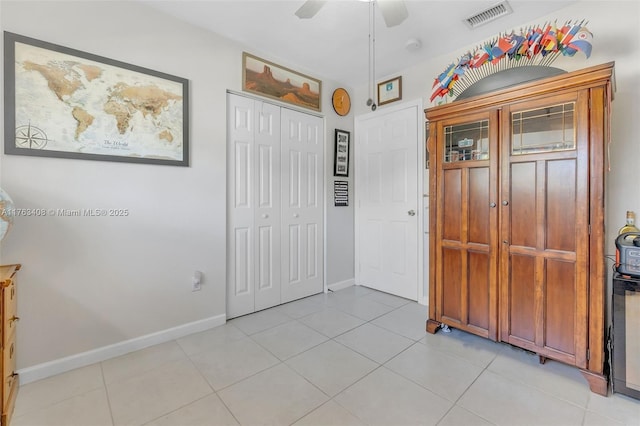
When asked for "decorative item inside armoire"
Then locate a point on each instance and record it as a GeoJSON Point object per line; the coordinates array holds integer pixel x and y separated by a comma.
{"type": "Point", "coordinates": [518, 257]}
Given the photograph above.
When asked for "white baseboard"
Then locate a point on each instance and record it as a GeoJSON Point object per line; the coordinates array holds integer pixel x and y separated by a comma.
{"type": "Point", "coordinates": [51, 368]}
{"type": "Point", "coordinates": [341, 285]}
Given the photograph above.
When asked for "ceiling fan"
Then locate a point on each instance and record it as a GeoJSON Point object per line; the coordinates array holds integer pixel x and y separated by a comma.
{"type": "Point", "coordinates": [394, 12]}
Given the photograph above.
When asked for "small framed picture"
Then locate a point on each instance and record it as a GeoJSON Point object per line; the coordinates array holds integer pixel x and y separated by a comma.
{"type": "Point", "coordinates": [341, 158]}
{"type": "Point", "coordinates": [390, 91]}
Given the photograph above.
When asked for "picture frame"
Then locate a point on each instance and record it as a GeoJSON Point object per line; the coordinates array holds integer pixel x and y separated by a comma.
{"type": "Point", "coordinates": [390, 91]}
{"type": "Point", "coordinates": [66, 103]}
{"type": "Point", "coordinates": [341, 157]}
{"type": "Point", "coordinates": [274, 81]}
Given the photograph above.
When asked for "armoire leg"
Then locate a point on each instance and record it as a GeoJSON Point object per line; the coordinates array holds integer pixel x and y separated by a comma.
{"type": "Point", "coordinates": [432, 326]}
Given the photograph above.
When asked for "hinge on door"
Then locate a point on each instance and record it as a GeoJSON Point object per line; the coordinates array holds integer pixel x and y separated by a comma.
{"type": "Point", "coordinates": [589, 229]}
{"type": "Point", "coordinates": [588, 354]}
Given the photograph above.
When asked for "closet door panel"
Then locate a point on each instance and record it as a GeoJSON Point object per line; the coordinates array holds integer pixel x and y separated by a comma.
{"type": "Point", "coordinates": [241, 247]}
{"type": "Point", "coordinates": [302, 147]}
{"type": "Point", "coordinates": [266, 180]}
{"type": "Point", "coordinates": [243, 271]}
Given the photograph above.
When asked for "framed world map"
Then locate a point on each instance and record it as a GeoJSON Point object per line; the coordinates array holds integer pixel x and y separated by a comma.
{"type": "Point", "coordinates": [61, 102]}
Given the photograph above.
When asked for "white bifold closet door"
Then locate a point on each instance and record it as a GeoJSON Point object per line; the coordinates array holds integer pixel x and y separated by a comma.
{"type": "Point", "coordinates": [274, 205]}
{"type": "Point", "coordinates": [302, 147]}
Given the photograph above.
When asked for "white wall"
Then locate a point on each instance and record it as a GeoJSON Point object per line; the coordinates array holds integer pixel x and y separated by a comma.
{"type": "Point", "coordinates": [89, 282]}
{"type": "Point", "coordinates": [616, 29]}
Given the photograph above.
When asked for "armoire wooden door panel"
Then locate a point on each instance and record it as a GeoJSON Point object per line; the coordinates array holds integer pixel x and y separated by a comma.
{"type": "Point", "coordinates": [544, 216]}
{"type": "Point", "coordinates": [467, 211]}
{"type": "Point", "coordinates": [452, 205]}
{"type": "Point", "coordinates": [479, 212]}
{"type": "Point", "coordinates": [560, 308]}
{"type": "Point", "coordinates": [522, 300]}
{"type": "Point", "coordinates": [560, 213]}
{"type": "Point", "coordinates": [479, 271]}
{"type": "Point", "coordinates": [523, 205]}
{"type": "Point", "coordinates": [452, 284]}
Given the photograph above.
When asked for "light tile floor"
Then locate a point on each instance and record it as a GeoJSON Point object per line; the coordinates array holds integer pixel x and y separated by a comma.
{"type": "Point", "coordinates": [352, 357]}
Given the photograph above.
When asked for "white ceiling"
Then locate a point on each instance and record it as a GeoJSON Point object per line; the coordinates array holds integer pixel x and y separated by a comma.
{"type": "Point", "coordinates": [335, 43]}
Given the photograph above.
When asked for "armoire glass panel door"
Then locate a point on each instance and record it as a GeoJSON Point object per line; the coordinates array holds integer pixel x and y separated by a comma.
{"type": "Point", "coordinates": [544, 223]}
{"type": "Point", "coordinates": [466, 277]}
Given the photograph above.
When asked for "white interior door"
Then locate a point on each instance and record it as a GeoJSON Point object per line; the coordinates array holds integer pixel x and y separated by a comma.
{"type": "Point", "coordinates": [302, 145]}
{"type": "Point", "coordinates": [387, 200]}
{"type": "Point", "coordinates": [253, 205]}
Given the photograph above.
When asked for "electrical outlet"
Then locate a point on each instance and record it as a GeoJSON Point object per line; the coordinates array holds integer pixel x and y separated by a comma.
{"type": "Point", "coordinates": [197, 281]}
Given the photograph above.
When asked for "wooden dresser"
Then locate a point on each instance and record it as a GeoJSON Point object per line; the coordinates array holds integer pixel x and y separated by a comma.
{"type": "Point", "coordinates": [9, 389]}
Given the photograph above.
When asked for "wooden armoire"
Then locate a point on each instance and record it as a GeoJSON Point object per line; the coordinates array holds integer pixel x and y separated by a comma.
{"type": "Point", "coordinates": [517, 217]}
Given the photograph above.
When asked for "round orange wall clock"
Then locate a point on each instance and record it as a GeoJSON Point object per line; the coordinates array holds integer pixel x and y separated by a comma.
{"type": "Point", "coordinates": [341, 101]}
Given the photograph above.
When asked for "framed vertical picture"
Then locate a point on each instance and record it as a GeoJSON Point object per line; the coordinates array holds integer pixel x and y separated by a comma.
{"type": "Point", "coordinates": [390, 91]}
{"type": "Point", "coordinates": [341, 158]}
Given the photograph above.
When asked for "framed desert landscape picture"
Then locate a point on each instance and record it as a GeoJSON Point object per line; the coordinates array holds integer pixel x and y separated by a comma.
{"type": "Point", "coordinates": [273, 81]}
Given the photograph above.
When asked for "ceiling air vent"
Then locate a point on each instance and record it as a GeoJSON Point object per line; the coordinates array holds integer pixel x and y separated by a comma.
{"type": "Point", "coordinates": [488, 15]}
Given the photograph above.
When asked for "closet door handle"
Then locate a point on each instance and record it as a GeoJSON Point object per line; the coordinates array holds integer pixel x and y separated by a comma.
{"type": "Point", "coordinates": [492, 205]}
{"type": "Point", "coordinates": [411, 212]}
{"type": "Point", "coordinates": [296, 215]}
{"type": "Point", "coordinates": [265, 216]}
{"type": "Point", "coordinates": [505, 203]}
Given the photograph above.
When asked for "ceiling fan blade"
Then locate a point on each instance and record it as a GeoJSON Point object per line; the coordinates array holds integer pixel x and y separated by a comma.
{"type": "Point", "coordinates": [394, 12]}
{"type": "Point", "coordinates": [310, 8]}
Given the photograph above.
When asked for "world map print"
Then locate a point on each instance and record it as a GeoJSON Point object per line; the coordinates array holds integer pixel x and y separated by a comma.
{"type": "Point", "coordinates": [72, 104]}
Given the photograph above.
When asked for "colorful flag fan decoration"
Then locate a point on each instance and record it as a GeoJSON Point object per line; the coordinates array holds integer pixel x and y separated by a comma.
{"type": "Point", "coordinates": [534, 46]}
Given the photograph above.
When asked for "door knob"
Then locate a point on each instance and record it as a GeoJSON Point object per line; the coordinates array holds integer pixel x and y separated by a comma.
{"type": "Point", "coordinates": [264, 216]}
{"type": "Point", "coordinates": [492, 205]}
{"type": "Point", "coordinates": [296, 215]}
{"type": "Point", "coordinates": [505, 203]}
{"type": "Point", "coordinates": [412, 212]}
{"type": "Point", "coordinates": [505, 242]}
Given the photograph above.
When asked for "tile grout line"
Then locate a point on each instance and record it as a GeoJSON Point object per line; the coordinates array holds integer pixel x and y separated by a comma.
{"type": "Point", "coordinates": [106, 391]}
